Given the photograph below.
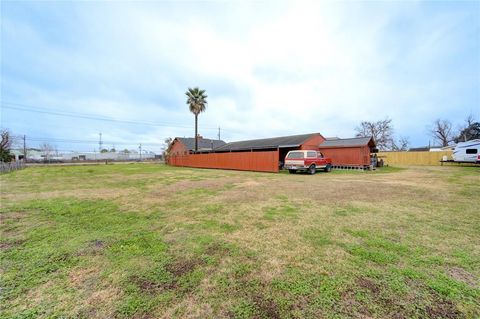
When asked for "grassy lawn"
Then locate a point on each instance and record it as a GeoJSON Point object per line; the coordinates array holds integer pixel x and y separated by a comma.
{"type": "Point", "coordinates": [152, 241]}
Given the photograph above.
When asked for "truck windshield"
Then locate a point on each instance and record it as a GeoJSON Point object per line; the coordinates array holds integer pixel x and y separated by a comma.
{"type": "Point", "coordinates": [295, 155]}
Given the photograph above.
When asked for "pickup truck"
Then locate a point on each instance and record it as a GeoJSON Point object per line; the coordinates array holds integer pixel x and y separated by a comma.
{"type": "Point", "coordinates": [305, 160]}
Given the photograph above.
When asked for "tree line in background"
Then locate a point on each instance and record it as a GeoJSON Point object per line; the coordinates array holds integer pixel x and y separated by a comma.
{"type": "Point", "coordinates": [444, 133]}
{"type": "Point", "coordinates": [441, 131]}
{"type": "Point", "coordinates": [382, 132]}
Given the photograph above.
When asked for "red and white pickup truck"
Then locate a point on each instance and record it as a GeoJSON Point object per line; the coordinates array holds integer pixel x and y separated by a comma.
{"type": "Point", "coordinates": [306, 160]}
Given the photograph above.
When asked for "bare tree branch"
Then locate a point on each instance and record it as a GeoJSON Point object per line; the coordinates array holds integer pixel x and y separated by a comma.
{"type": "Point", "coordinates": [6, 142]}
{"type": "Point", "coordinates": [47, 150]}
{"type": "Point", "coordinates": [401, 145]}
{"type": "Point", "coordinates": [381, 131]}
{"type": "Point", "coordinates": [166, 149]}
{"type": "Point", "coordinates": [442, 131]}
{"type": "Point", "coordinates": [469, 130]}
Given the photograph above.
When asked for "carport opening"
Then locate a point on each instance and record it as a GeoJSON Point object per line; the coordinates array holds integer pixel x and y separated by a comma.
{"type": "Point", "coordinates": [282, 152]}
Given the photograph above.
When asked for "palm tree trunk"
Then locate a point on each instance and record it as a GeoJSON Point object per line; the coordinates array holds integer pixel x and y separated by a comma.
{"type": "Point", "coordinates": [196, 133]}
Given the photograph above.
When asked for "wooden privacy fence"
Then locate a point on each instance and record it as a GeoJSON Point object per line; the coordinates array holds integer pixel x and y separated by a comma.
{"type": "Point", "coordinates": [8, 167]}
{"type": "Point", "coordinates": [413, 158]}
{"type": "Point", "coordinates": [245, 161]}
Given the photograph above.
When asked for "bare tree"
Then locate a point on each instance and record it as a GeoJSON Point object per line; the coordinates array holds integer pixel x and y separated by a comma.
{"type": "Point", "coordinates": [469, 130]}
{"type": "Point", "coordinates": [402, 144]}
{"type": "Point", "coordinates": [5, 146]}
{"type": "Point", "coordinates": [442, 131]}
{"type": "Point", "coordinates": [381, 131]}
{"type": "Point", "coordinates": [469, 120]}
{"type": "Point", "coordinates": [47, 150]}
{"type": "Point", "coordinates": [166, 149]}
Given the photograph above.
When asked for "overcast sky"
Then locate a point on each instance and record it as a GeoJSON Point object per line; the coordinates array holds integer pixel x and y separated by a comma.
{"type": "Point", "coordinates": [269, 68]}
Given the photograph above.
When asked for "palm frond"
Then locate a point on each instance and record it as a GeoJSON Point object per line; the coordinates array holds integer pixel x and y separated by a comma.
{"type": "Point", "coordinates": [196, 99]}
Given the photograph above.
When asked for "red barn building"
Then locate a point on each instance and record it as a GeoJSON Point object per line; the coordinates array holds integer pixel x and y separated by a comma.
{"type": "Point", "coordinates": [268, 154]}
{"type": "Point", "coordinates": [349, 152]}
{"type": "Point", "coordinates": [264, 155]}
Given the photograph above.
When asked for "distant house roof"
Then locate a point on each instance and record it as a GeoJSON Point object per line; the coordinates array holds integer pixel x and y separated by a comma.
{"type": "Point", "coordinates": [348, 142]}
{"type": "Point", "coordinates": [268, 143]}
{"type": "Point", "coordinates": [203, 143]}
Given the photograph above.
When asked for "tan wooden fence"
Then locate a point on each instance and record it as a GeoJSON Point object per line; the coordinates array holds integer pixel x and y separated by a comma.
{"type": "Point", "coordinates": [413, 158]}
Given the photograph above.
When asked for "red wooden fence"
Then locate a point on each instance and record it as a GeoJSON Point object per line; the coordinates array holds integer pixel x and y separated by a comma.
{"type": "Point", "coordinates": [244, 161]}
{"type": "Point", "coordinates": [351, 156]}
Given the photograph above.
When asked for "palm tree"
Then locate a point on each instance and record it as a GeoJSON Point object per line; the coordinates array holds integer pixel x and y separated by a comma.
{"type": "Point", "coordinates": [197, 102]}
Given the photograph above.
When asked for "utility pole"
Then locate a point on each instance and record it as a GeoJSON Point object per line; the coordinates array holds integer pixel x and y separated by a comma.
{"type": "Point", "coordinates": [24, 148]}
{"type": "Point", "coordinates": [219, 133]}
{"type": "Point", "coordinates": [140, 149]}
{"type": "Point", "coordinates": [100, 143]}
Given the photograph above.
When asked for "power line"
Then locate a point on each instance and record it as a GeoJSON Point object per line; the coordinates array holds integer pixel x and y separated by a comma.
{"type": "Point", "coordinates": [29, 149]}
{"type": "Point", "coordinates": [56, 140]}
{"type": "Point", "coordinates": [27, 108]}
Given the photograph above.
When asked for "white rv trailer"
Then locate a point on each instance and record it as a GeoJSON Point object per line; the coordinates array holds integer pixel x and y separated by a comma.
{"type": "Point", "coordinates": [468, 152]}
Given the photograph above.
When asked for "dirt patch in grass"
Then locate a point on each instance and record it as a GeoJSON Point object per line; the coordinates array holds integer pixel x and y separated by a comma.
{"type": "Point", "coordinates": [217, 249]}
{"type": "Point", "coordinates": [443, 309]}
{"type": "Point", "coordinates": [183, 266]}
{"type": "Point", "coordinates": [153, 287]}
{"type": "Point", "coordinates": [463, 276]}
{"type": "Point", "coordinates": [266, 307]}
{"type": "Point", "coordinates": [369, 285]}
{"type": "Point", "coordinates": [351, 307]}
{"type": "Point", "coordinates": [178, 269]}
{"type": "Point", "coordinates": [256, 306]}
{"type": "Point", "coordinates": [95, 247]}
{"type": "Point", "coordinates": [7, 245]}
{"type": "Point", "coordinates": [98, 244]}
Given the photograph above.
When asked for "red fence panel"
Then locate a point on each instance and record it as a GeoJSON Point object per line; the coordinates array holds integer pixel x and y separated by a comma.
{"type": "Point", "coordinates": [244, 161]}
{"type": "Point", "coordinates": [352, 156]}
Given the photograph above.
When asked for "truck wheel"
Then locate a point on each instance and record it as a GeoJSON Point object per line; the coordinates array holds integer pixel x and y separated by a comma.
{"type": "Point", "coordinates": [292, 171]}
{"type": "Point", "coordinates": [312, 169]}
{"type": "Point", "coordinates": [328, 168]}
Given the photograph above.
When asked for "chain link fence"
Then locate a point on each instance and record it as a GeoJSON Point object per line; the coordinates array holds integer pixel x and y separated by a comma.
{"type": "Point", "coordinates": [12, 166]}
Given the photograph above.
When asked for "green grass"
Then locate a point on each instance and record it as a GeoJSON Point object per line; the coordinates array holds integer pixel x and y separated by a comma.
{"type": "Point", "coordinates": [141, 240]}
